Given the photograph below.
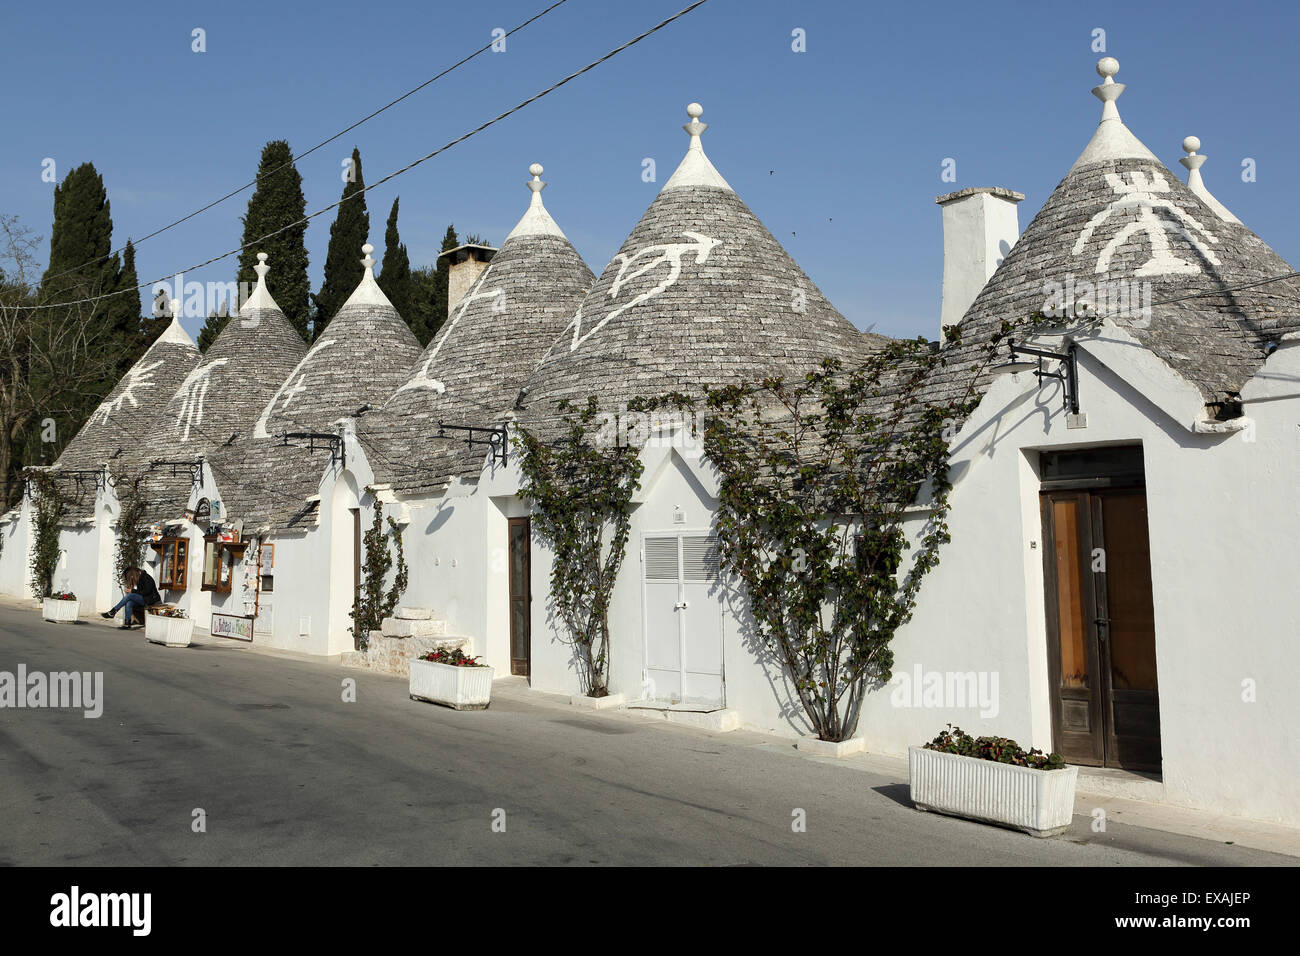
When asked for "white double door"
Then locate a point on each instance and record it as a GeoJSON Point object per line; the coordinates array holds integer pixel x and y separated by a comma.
{"type": "Point", "coordinates": [683, 621]}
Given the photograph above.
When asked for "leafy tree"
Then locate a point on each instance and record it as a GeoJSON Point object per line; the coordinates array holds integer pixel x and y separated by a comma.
{"type": "Point", "coordinates": [277, 203]}
{"type": "Point", "coordinates": [348, 234]}
{"type": "Point", "coordinates": [580, 488]}
{"type": "Point", "coordinates": [52, 361]}
{"type": "Point", "coordinates": [395, 278]}
{"type": "Point", "coordinates": [438, 304]}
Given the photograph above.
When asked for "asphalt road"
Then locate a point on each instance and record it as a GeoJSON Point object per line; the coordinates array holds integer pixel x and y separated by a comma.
{"type": "Point", "coordinates": [285, 772]}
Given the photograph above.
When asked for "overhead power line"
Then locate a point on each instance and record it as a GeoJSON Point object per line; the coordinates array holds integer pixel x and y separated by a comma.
{"type": "Point", "coordinates": [393, 175]}
{"type": "Point", "coordinates": [369, 116]}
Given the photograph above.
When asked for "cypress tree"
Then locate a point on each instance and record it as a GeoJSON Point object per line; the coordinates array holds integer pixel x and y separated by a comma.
{"type": "Point", "coordinates": [213, 327]}
{"type": "Point", "coordinates": [135, 331]}
{"type": "Point", "coordinates": [81, 238]}
{"type": "Point", "coordinates": [80, 267]}
{"type": "Point", "coordinates": [276, 202]}
{"type": "Point", "coordinates": [395, 279]}
{"type": "Point", "coordinates": [348, 234]}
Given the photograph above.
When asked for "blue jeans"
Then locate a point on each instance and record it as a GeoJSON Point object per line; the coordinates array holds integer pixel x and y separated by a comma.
{"type": "Point", "coordinates": [130, 602]}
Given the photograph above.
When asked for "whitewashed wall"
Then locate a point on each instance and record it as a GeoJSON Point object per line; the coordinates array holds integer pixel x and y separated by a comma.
{"type": "Point", "coordinates": [15, 552]}
{"type": "Point", "coordinates": [1223, 536]}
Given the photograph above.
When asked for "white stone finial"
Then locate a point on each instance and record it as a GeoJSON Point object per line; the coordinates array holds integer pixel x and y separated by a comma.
{"type": "Point", "coordinates": [368, 261]}
{"type": "Point", "coordinates": [260, 298]}
{"type": "Point", "coordinates": [1109, 91]}
{"type": "Point", "coordinates": [1113, 140]}
{"type": "Point", "coordinates": [536, 221]}
{"type": "Point", "coordinates": [176, 309]}
{"type": "Point", "coordinates": [695, 168]}
{"type": "Point", "coordinates": [1193, 162]}
{"type": "Point", "coordinates": [695, 127]}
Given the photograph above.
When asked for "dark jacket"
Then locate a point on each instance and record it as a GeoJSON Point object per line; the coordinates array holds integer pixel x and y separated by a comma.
{"type": "Point", "coordinates": [147, 589]}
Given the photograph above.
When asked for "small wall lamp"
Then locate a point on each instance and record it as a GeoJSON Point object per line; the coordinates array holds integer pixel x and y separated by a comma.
{"type": "Point", "coordinates": [1067, 371]}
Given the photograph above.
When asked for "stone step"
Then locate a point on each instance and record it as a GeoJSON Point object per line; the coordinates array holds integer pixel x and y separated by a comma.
{"type": "Point", "coordinates": [413, 613]}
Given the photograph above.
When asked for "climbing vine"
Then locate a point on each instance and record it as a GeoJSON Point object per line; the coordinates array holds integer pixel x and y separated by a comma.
{"type": "Point", "coordinates": [818, 485]}
{"type": "Point", "coordinates": [130, 517]}
{"type": "Point", "coordinates": [580, 488]}
{"type": "Point", "coordinates": [374, 603]}
{"type": "Point", "coordinates": [50, 505]}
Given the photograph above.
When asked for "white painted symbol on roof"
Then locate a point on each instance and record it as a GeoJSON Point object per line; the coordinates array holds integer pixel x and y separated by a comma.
{"type": "Point", "coordinates": [1141, 195]}
{"type": "Point", "coordinates": [669, 252]}
{"type": "Point", "coordinates": [138, 377]}
{"type": "Point", "coordinates": [422, 379]}
{"type": "Point", "coordinates": [195, 390]}
{"type": "Point", "coordinates": [289, 391]}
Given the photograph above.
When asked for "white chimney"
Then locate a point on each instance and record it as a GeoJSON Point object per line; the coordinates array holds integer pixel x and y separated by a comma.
{"type": "Point", "coordinates": [980, 225]}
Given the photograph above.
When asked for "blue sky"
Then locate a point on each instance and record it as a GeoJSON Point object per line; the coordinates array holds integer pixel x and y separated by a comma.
{"type": "Point", "coordinates": [838, 149]}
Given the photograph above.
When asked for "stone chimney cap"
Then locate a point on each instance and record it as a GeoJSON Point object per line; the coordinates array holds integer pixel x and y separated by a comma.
{"type": "Point", "coordinates": [470, 251]}
{"type": "Point", "coordinates": [999, 191]}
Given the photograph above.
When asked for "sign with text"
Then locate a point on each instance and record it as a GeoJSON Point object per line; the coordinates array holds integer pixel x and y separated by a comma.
{"type": "Point", "coordinates": [230, 625]}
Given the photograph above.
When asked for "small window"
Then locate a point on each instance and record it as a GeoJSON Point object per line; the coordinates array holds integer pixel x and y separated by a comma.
{"type": "Point", "coordinates": [219, 559]}
{"type": "Point", "coordinates": [173, 556]}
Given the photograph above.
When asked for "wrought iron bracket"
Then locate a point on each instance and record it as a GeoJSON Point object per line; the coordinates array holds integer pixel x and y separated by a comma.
{"type": "Point", "coordinates": [338, 453]}
{"type": "Point", "coordinates": [1067, 372]}
{"type": "Point", "coordinates": [97, 476]}
{"type": "Point", "coordinates": [498, 438]}
{"type": "Point", "coordinates": [193, 468]}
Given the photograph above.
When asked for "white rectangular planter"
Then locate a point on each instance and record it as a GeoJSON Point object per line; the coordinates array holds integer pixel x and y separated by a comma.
{"type": "Point", "coordinates": [461, 688]}
{"type": "Point", "coordinates": [1039, 802]}
{"type": "Point", "coordinates": [60, 612]}
{"type": "Point", "coordinates": [170, 631]}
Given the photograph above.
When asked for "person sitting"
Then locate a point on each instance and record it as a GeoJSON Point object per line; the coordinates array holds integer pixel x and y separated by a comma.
{"type": "Point", "coordinates": [141, 592]}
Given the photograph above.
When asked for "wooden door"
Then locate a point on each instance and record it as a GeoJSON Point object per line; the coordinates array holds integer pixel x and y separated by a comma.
{"type": "Point", "coordinates": [1101, 627]}
{"type": "Point", "coordinates": [521, 596]}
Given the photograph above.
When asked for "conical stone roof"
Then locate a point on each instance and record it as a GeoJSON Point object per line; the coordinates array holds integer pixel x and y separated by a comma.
{"type": "Point", "coordinates": [364, 354]}
{"type": "Point", "coordinates": [472, 371]}
{"type": "Point", "coordinates": [700, 293]}
{"type": "Point", "coordinates": [223, 395]}
{"type": "Point", "coordinates": [1119, 237]}
{"type": "Point", "coordinates": [116, 432]}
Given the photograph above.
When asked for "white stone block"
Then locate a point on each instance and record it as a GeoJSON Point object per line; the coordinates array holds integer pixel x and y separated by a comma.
{"type": "Point", "coordinates": [396, 627]}
{"type": "Point", "coordinates": [413, 614]}
{"type": "Point", "coordinates": [597, 703]}
{"type": "Point", "coordinates": [831, 748]}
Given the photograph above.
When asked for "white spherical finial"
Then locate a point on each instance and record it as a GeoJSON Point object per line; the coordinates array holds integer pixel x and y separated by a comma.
{"type": "Point", "coordinates": [535, 169]}
{"type": "Point", "coordinates": [367, 249]}
{"type": "Point", "coordinates": [262, 257]}
{"type": "Point", "coordinates": [694, 110]}
{"type": "Point", "coordinates": [176, 308]}
{"type": "Point", "coordinates": [1107, 67]}
{"type": "Point", "coordinates": [1191, 144]}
